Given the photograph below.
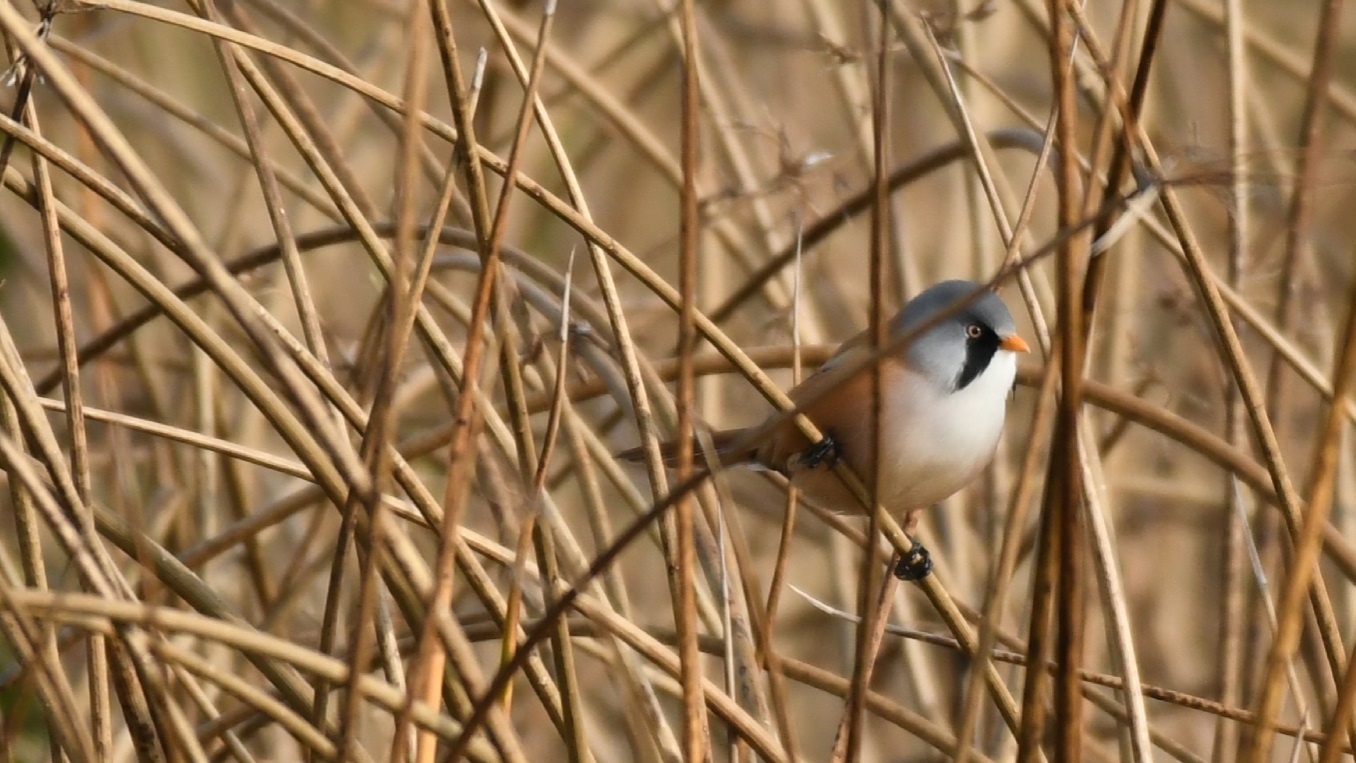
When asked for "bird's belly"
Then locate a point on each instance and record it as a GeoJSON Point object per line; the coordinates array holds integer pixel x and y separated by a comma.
{"type": "Point", "coordinates": [922, 476]}
{"type": "Point", "coordinates": [951, 440]}
{"type": "Point", "coordinates": [914, 474]}
{"type": "Point", "coordinates": [934, 445]}
{"type": "Point", "coordinates": [910, 478]}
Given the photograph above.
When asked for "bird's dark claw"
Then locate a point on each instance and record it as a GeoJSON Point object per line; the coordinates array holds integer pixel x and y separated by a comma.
{"type": "Point", "coordinates": [914, 565]}
{"type": "Point", "coordinates": [825, 452]}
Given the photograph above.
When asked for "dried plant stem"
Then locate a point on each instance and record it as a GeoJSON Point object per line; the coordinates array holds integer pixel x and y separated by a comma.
{"type": "Point", "coordinates": [428, 668]}
{"type": "Point", "coordinates": [1304, 562]}
{"type": "Point", "coordinates": [831, 221]}
{"type": "Point", "coordinates": [339, 457]}
{"type": "Point", "coordinates": [1235, 563]}
{"type": "Point", "coordinates": [1060, 563]}
{"type": "Point", "coordinates": [873, 612]}
{"type": "Point", "coordinates": [96, 649]}
{"type": "Point", "coordinates": [1305, 536]}
{"type": "Point", "coordinates": [682, 572]}
{"type": "Point", "coordinates": [40, 652]}
{"type": "Point", "coordinates": [617, 116]}
{"type": "Point", "coordinates": [1001, 577]}
{"type": "Point", "coordinates": [404, 291]}
{"type": "Point", "coordinates": [1128, 107]}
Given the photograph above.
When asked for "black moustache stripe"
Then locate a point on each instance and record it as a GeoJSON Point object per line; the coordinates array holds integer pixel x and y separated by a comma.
{"type": "Point", "coordinates": [978, 353]}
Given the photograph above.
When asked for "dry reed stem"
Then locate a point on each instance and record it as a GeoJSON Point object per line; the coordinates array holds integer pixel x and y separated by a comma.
{"type": "Point", "coordinates": [231, 63]}
{"type": "Point", "coordinates": [683, 567]}
{"type": "Point", "coordinates": [615, 319]}
{"type": "Point", "coordinates": [873, 612]}
{"type": "Point", "coordinates": [100, 702]}
{"type": "Point", "coordinates": [461, 458]}
{"type": "Point", "coordinates": [1234, 564]}
{"type": "Point", "coordinates": [221, 440]}
{"type": "Point", "coordinates": [1128, 108]}
{"type": "Point", "coordinates": [1305, 537]}
{"type": "Point", "coordinates": [1093, 678]}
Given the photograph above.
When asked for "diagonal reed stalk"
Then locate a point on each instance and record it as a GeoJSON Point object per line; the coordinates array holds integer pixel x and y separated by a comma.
{"type": "Point", "coordinates": [309, 424]}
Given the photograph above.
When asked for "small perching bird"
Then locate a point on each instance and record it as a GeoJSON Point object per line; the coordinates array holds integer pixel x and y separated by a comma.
{"type": "Point", "coordinates": [944, 401]}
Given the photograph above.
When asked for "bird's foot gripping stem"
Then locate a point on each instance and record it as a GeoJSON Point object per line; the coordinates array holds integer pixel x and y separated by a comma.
{"type": "Point", "coordinates": [915, 564]}
{"type": "Point", "coordinates": [825, 452]}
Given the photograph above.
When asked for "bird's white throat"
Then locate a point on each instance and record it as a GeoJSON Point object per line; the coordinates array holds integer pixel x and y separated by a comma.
{"type": "Point", "coordinates": [952, 434]}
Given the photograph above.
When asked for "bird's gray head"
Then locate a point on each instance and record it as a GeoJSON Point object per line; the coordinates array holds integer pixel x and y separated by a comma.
{"type": "Point", "coordinates": [957, 349]}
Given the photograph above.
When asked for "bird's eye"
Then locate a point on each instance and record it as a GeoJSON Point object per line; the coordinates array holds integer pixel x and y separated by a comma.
{"type": "Point", "coordinates": [974, 331]}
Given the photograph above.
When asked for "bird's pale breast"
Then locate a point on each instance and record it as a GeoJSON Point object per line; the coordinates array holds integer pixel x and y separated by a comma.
{"type": "Point", "coordinates": [950, 437]}
{"type": "Point", "coordinates": [934, 441]}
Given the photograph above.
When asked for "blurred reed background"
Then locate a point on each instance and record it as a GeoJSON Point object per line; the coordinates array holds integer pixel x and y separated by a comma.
{"type": "Point", "coordinates": [242, 457]}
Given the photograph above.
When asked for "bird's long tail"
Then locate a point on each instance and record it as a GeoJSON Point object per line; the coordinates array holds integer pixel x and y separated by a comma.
{"type": "Point", "coordinates": [726, 444]}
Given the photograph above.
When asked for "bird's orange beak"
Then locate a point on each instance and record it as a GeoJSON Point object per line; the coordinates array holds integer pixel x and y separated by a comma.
{"type": "Point", "coordinates": [1014, 343]}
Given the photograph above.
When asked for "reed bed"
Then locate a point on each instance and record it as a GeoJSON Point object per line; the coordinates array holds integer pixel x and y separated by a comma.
{"type": "Point", "coordinates": [322, 324]}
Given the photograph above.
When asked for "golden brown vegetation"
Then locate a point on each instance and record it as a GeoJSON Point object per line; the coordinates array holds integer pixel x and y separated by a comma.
{"type": "Point", "coordinates": [259, 422]}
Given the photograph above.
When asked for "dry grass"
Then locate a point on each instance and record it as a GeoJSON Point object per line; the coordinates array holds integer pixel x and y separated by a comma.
{"type": "Point", "coordinates": [257, 422]}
